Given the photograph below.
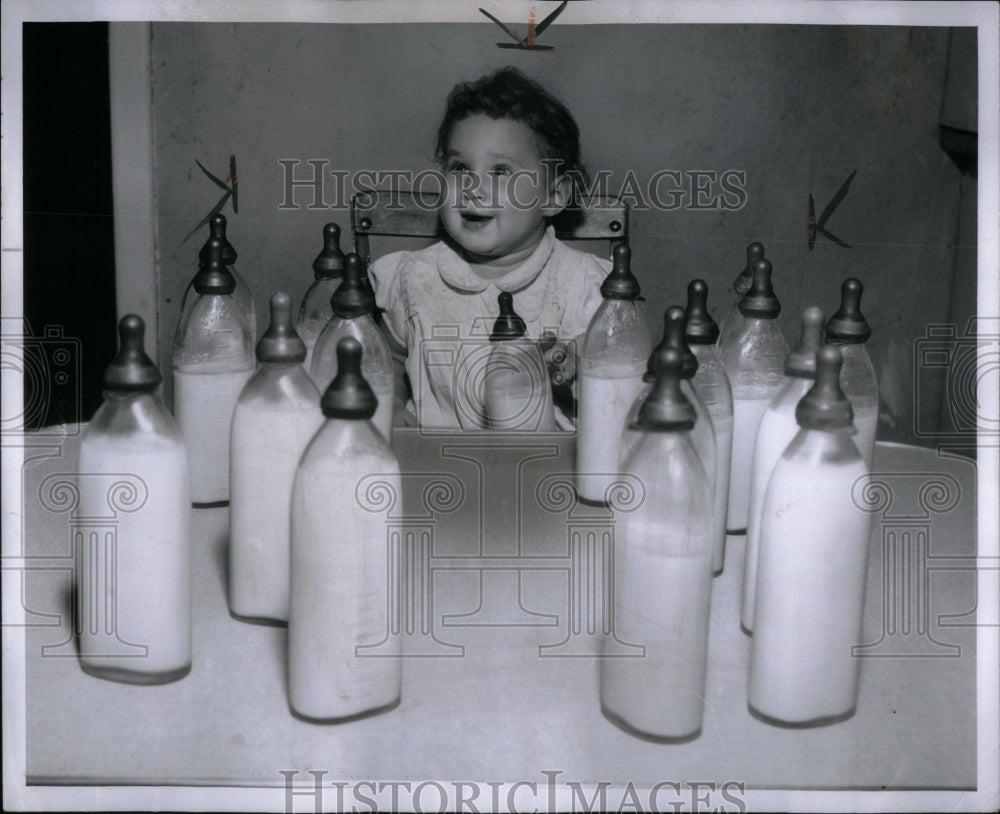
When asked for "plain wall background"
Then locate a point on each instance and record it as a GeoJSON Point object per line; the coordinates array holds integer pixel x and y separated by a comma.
{"type": "Point", "coordinates": [797, 108]}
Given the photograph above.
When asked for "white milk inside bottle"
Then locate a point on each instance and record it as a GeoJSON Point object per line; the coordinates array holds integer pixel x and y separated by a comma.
{"type": "Point", "coordinates": [803, 669]}
{"type": "Point", "coordinates": [605, 400]}
{"type": "Point", "coordinates": [268, 441]}
{"type": "Point", "coordinates": [152, 600]}
{"type": "Point", "coordinates": [204, 401]}
{"type": "Point", "coordinates": [340, 576]}
{"type": "Point", "coordinates": [749, 404]}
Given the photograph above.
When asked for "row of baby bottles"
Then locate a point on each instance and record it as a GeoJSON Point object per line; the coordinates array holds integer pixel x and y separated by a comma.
{"type": "Point", "coordinates": [254, 431]}
{"type": "Point", "coordinates": [703, 438]}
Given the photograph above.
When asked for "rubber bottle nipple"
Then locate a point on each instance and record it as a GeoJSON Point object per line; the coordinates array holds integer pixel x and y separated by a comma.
{"type": "Point", "coordinates": [848, 325]}
{"type": "Point", "coordinates": [352, 297]}
{"type": "Point", "coordinates": [801, 362]}
{"type": "Point", "coordinates": [759, 301]}
{"type": "Point", "coordinates": [280, 342]}
{"type": "Point", "coordinates": [217, 229]}
{"type": "Point", "coordinates": [620, 284]}
{"type": "Point", "coordinates": [508, 325]}
{"type": "Point", "coordinates": [213, 276]}
{"type": "Point", "coordinates": [131, 370]}
{"type": "Point", "coordinates": [701, 329]}
{"type": "Point", "coordinates": [349, 395]}
{"type": "Point", "coordinates": [666, 409]}
{"type": "Point", "coordinates": [825, 407]}
{"type": "Point", "coordinates": [674, 323]}
{"type": "Point", "coordinates": [329, 263]}
{"type": "Point", "coordinates": [743, 281]}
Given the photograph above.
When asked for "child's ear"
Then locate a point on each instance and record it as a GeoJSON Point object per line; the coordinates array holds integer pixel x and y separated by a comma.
{"type": "Point", "coordinates": [558, 198]}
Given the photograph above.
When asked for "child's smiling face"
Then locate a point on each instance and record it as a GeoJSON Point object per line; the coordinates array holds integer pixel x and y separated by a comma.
{"type": "Point", "coordinates": [499, 191]}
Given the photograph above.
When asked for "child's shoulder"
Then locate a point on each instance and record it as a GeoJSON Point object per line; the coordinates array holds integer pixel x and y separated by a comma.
{"type": "Point", "coordinates": [572, 262]}
{"type": "Point", "coordinates": [410, 261]}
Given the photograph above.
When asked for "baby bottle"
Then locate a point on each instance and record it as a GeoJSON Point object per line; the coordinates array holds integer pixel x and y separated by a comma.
{"type": "Point", "coordinates": [276, 416]}
{"type": "Point", "coordinates": [849, 330]}
{"type": "Point", "coordinates": [213, 358]}
{"type": "Point", "coordinates": [711, 385]}
{"type": "Point", "coordinates": [663, 572]}
{"type": "Point", "coordinates": [518, 393]}
{"type": "Point", "coordinates": [612, 364]}
{"type": "Point", "coordinates": [777, 429]}
{"type": "Point", "coordinates": [812, 566]}
{"type": "Point", "coordinates": [242, 294]}
{"type": "Point", "coordinates": [733, 317]}
{"type": "Point", "coordinates": [353, 307]}
{"type": "Point", "coordinates": [328, 269]}
{"type": "Point", "coordinates": [342, 659]}
{"type": "Point", "coordinates": [702, 434]}
{"type": "Point", "coordinates": [134, 592]}
{"type": "Point", "coordinates": [754, 361]}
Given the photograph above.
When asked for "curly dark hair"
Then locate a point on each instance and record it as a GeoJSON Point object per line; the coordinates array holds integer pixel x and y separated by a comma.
{"type": "Point", "coordinates": [509, 94]}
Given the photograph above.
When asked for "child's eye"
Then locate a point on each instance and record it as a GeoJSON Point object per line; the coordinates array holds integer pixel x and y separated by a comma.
{"type": "Point", "coordinates": [501, 169]}
{"type": "Point", "coordinates": [456, 166]}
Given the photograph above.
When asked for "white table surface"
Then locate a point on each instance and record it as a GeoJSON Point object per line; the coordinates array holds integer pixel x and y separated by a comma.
{"type": "Point", "coordinates": [496, 703]}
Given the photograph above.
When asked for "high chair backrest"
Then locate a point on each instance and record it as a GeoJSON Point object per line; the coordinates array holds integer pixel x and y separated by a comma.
{"type": "Point", "coordinates": [414, 214]}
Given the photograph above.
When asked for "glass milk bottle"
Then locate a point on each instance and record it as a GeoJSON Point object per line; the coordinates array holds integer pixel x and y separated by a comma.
{"type": "Point", "coordinates": [612, 363]}
{"type": "Point", "coordinates": [849, 330]}
{"type": "Point", "coordinates": [702, 434]}
{"type": "Point", "coordinates": [733, 317]}
{"type": "Point", "coordinates": [213, 358]}
{"type": "Point", "coordinates": [339, 558]}
{"type": "Point", "coordinates": [328, 270]}
{"type": "Point", "coordinates": [276, 416]}
{"type": "Point", "coordinates": [518, 393]}
{"type": "Point", "coordinates": [777, 429]}
{"type": "Point", "coordinates": [754, 362]}
{"type": "Point", "coordinates": [812, 567]}
{"type": "Point", "coordinates": [134, 626]}
{"type": "Point", "coordinates": [353, 307]}
{"type": "Point", "coordinates": [242, 294]}
{"type": "Point", "coordinates": [711, 385]}
{"type": "Point", "coordinates": [663, 573]}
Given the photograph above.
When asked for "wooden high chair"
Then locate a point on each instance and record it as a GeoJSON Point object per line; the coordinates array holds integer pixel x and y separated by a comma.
{"type": "Point", "coordinates": [414, 214]}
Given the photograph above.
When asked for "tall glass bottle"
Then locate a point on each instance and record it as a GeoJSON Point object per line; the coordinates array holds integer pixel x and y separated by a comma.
{"type": "Point", "coordinates": [711, 384]}
{"type": "Point", "coordinates": [213, 358]}
{"type": "Point", "coordinates": [518, 393]}
{"type": "Point", "coordinates": [343, 660]}
{"type": "Point", "coordinates": [849, 330]}
{"type": "Point", "coordinates": [353, 308]}
{"type": "Point", "coordinates": [742, 283]}
{"type": "Point", "coordinates": [276, 416]}
{"type": "Point", "coordinates": [315, 312]}
{"type": "Point", "coordinates": [134, 595]}
{"type": "Point", "coordinates": [777, 429]}
{"type": "Point", "coordinates": [612, 363]}
{"type": "Point", "coordinates": [242, 293]}
{"type": "Point", "coordinates": [663, 573]}
{"type": "Point", "coordinates": [754, 362]}
{"type": "Point", "coordinates": [813, 566]}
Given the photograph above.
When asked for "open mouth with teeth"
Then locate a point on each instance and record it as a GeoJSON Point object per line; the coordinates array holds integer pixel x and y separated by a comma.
{"type": "Point", "coordinates": [474, 220]}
